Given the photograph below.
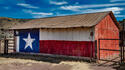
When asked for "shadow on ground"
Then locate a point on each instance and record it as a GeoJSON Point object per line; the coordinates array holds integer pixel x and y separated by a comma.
{"type": "Point", "coordinates": [43, 58]}
{"type": "Point", "coordinates": [57, 60]}
{"type": "Point", "coordinates": [121, 67]}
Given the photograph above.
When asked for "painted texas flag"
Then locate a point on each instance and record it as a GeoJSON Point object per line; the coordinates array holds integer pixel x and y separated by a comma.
{"type": "Point", "coordinates": [54, 41]}
{"type": "Point", "coordinates": [29, 41]}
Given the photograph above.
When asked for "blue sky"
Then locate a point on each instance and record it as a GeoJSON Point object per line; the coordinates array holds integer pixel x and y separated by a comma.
{"type": "Point", "coordinates": [49, 8]}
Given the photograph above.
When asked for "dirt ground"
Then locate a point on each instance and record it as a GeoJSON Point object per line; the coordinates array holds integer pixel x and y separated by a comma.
{"type": "Point", "coordinates": [23, 63]}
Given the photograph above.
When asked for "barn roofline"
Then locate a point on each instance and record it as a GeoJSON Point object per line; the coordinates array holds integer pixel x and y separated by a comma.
{"type": "Point", "coordinates": [39, 23]}
{"type": "Point", "coordinates": [51, 28]}
{"type": "Point", "coordinates": [113, 18]}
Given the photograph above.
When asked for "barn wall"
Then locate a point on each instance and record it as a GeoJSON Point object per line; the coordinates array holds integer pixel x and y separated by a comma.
{"type": "Point", "coordinates": [71, 34]}
{"type": "Point", "coordinates": [73, 41]}
{"type": "Point", "coordinates": [107, 29]}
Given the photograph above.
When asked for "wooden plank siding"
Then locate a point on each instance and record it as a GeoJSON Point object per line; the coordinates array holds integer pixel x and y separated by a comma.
{"type": "Point", "coordinates": [69, 34]}
{"type": "Point", "coordinates": [71, 42]}
{"type": "Point", "coordinates": [107, 29]}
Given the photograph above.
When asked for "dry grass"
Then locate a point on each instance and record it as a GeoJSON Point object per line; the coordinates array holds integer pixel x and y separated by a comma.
{"type": "Point", "coordinates": [9, 63]}
{"type": "Point", "coordinates": [73, 65]}
{"type": "Point", "coordinates": [26, 64]}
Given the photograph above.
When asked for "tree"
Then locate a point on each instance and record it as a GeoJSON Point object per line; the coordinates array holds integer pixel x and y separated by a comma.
{"type": "Point", "coordinates": [122, 23]}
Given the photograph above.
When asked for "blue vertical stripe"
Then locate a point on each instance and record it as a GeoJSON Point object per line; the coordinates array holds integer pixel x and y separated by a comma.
{"type": "Point", "coordinates": [34, 34]}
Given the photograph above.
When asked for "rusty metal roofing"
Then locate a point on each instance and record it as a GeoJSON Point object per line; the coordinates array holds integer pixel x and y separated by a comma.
{"type": "Point", "coordinates": [81, 20]}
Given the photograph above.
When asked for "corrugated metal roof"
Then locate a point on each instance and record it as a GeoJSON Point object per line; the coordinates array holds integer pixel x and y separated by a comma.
{"type": "Point", "coordinates": [81, 20]}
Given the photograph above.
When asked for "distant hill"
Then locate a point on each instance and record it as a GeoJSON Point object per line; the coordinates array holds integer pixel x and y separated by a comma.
{"type": "Point", "coordinates": [6, 23]}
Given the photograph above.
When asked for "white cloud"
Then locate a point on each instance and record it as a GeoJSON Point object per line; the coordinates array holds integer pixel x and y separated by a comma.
{"type": "Point", "coordinates": [27, 5]}
{"type": "Point", "coordinates": [37, 14]}
{"type": "Point", "coordinates": [120, 16]}
{"type": "Point", "coordinates": [77, 7]}
{"type": "Point", "coordinates": [58, 3]}
{"type": "Point", "coordinates": [42, 13]}
{"type": "Point", "coordinates": [73, 8]}
{"type": "Point", "coordinates": [116, 0]}
{"type": "Point", "coordinates": [116, 10]}
{"type": "Point", "coordinates": [61, 14]}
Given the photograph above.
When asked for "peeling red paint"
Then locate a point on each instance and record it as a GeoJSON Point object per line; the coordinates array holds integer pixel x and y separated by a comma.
{"type": "Point", "coordinates": [70, 48]}
{"type": "Point", "coordinates": [107, 29]}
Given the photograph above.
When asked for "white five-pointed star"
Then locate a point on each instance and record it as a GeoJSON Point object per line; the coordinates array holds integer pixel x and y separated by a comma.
{"type": "Point", "coordinates": [28, 41]}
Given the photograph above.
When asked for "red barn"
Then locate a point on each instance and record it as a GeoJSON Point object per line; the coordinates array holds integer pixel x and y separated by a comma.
{"type": "Point", "coordinates": [73, 35]}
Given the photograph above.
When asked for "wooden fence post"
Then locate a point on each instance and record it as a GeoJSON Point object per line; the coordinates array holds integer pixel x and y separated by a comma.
{"type": "Point", "coordinates": [0, 47]}
{"type": "Point", "coordinates": [5, 46]}
{"type": "Point", "coordinates": [14, 44]}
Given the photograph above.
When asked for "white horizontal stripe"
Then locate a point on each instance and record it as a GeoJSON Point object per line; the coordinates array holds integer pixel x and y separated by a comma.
{"type": "Point", "coordinates": [76, 34]}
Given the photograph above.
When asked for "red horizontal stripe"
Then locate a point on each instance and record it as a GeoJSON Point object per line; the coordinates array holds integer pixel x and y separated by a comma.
{"type": "Point", "coordinates": [70, 48]}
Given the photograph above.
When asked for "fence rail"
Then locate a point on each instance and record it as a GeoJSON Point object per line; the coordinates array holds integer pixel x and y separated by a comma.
{"type": "Point", "coordinates": [7, 46]}
{"type": "Point", "coordinates": [121, 51]}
